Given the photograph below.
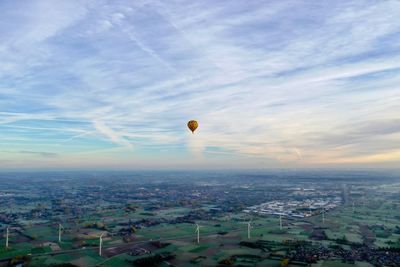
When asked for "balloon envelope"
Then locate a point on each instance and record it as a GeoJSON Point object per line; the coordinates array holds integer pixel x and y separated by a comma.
{"type": "Point", "coordinates": [192, 125]}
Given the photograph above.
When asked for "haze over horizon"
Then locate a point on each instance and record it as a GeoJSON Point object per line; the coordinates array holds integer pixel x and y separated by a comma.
{"type": "Point", "coordinates": [277, 84]}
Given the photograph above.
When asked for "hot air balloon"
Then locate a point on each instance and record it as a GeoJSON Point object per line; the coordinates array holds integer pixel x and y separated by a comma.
{"type": "Point", "coordinates": [192, 125]}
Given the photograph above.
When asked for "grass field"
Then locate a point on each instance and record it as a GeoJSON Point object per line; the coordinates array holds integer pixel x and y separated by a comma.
{"type": "Point", "coordinates": [377, 216]}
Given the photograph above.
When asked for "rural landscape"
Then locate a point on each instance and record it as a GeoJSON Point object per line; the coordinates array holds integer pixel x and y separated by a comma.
{"type": "Point", "coordinates": [200, 133]}
{"type": "Point", "coordinates": [244, 219]}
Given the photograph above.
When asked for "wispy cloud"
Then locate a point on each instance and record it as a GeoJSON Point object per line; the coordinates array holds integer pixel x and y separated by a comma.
{"type": "Point", "coordinates": [284, 83]}
{"type": "Point", "coordinates": [114, 136]}
{"type": "Point", "coordinates": [41, 153]}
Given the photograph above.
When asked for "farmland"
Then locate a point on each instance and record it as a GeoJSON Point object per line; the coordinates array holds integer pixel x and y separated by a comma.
{"type": "Point", "coordinates": [156, 221]}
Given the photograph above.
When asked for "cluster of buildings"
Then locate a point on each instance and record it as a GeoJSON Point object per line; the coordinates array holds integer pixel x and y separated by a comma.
{"type": "Point", "coordinates": [295, 208]}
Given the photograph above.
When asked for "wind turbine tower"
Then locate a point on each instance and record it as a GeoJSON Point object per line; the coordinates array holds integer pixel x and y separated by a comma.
{"type": "Point", "coordinates": [198, 233]}
{"type": "Point", "coordinates": [280, 221]}
{"type": "Point", "coordinates": [354, 208]}
{"type": "Point", "coordinates": [7, 234]}
{"type": "Point", "coordinates": [323, 215]}
{"type": "Point", "coordinates": [100, 243]}
{"type": "Point", "coordinates": [60, 228]}
{"type": "Point", "coordinates": [249, 229]}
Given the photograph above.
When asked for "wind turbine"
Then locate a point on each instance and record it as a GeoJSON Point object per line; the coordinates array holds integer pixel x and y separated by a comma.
{"type": "Point", "coordinates": [354, 208]}
{"type": "Point", "coordinates": [323, 215]}
{"type": "Point", "coordinates": [100, 242]}
{"type": "Point", "coordinates": [198, 233]}
{"type": "Point", "coordinates": [7, 234]}
{"type": "Point", "coordinates": [249, 229]}
{"type": "Point", "coordinates": [280, 221]}
{"type": "Point", "coordinates": [60, 228]}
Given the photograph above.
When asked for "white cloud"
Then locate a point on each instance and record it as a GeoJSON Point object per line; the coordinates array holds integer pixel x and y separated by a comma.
{"type": "Point", "coordinates": [269, 82]}
{"type": "Point", "coordinates": [114, 136]}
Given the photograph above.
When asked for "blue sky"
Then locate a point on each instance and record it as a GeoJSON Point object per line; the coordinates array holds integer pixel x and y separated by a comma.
{"type": "Point", "coordinates": [112, 84]}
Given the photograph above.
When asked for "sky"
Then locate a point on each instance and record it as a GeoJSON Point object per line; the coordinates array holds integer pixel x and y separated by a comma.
{"type": "Point", "coordinates": [273, 84]}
